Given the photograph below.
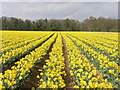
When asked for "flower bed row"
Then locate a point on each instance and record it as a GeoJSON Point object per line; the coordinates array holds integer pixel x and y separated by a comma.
{"type": "Point", "coordinates": [19, 44]}
{"type": "Point", "coordinates": [85, 74]}
{"type": "Point", "coordinates": [108, 68]}
{"type": "Point", "coordinates": [51, 76]}
{"type": "Point", "coordinates": [19, 72]}
{"type": "Point", "coordinates": [12, 55]}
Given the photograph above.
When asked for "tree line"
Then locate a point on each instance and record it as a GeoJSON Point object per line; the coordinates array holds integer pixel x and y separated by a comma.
{"type": "Point", "coordinates": [89, 24]}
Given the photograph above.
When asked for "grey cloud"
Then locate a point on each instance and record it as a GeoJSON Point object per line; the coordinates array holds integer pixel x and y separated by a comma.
{"type": "Point", "coordinates": [59, 0]}
{"type": "Point", "coordinates": [59, 10]}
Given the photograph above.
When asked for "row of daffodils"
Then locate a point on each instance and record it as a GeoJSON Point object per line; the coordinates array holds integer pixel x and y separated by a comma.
{"type": "Point", "coordinates": [10, 38]}
{"type": "Point", "coordinates": [18, 44]}
{"type": "Point", "coordinates": [16, 53]}
{"type": "Point", "coordinates": [92, 59]}
{"type": "Point", "coordinates": [22, 68]}
{"type": "Point", "coordinates": [85, 74]}
{"type": "Point", "coordinates": [51, 77]}
{"type": "Point", "coordinates": [107, 64]}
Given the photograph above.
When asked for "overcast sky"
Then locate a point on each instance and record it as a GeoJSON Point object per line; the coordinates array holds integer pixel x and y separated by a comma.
{"type": "Point", "coordinates": [60, 0]}
{"type": "Point", "coordinates": [59, 10]}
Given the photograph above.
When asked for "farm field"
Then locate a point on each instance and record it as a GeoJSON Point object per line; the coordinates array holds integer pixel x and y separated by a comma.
{"type": "Point", "coordinates": [42, 59]}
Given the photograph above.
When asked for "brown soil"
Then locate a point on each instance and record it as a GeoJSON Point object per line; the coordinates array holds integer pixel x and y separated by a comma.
{"type": "Point", "coordinates": [68, 79]}
{"type": "Point", "coordinates": [13, 63]}
{"type": "Point", "coordinates": [31, 80]}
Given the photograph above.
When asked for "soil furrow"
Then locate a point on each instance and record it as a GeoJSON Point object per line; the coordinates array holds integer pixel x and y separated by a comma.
{"type": "Point", "coordinates": [68, 79]}
{"type": "Point", "coordinates": [32, 81]}
{"type": "Point", "coordinates": [13, 63]}
{"type": "Point", "coordinates": [92, 67]}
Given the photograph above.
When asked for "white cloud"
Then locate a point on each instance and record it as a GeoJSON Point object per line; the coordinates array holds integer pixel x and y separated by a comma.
{"type": "Point", "coordinates": [59, 0]}
{"type": "Point", "coordinates": [76, 10]}
{"type": "Point", "coordinates": [0, 9]}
